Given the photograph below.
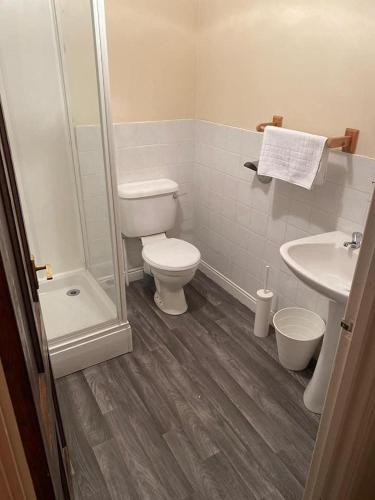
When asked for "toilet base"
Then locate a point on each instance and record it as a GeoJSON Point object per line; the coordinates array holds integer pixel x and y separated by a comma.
{"type": "Point", "coordinates": [169, 295]}
{"type": "Point", "coordinates": [174, 303]}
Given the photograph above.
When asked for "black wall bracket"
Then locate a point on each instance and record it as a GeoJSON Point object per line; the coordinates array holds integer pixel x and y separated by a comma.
{"type": "Point", "coordinates": [253, 165]}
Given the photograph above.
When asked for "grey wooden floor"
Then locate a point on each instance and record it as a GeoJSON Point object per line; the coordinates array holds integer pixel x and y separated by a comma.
{"type": "Point", "coordinates": [200, 410]}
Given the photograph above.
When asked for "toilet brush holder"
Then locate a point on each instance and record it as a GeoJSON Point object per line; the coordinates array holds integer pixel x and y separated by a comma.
{"type": "Point", "coordinates": [263, 308]}
{"type": "Point", "coordinates": [263, 312]}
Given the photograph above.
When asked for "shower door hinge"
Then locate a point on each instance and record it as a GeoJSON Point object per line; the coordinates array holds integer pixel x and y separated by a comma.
{"type": "Point", "coordinates": [347, 326]}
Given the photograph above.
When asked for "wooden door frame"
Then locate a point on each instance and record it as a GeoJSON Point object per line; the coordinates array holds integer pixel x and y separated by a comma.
{"type": "Point", "coordinates": [20, 384]}
{"type": "Point", "coordinates": [15, 478]}
{"type": "Point", "coordinates": [346, 434]}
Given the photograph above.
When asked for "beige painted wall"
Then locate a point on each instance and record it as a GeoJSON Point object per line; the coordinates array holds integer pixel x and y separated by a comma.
{"type": "Point", "coordinates": [151, 46]}
{"type": "Point", "coordinates": [312, 61]}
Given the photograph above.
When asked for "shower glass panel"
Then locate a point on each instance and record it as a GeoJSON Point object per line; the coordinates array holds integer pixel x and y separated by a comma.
{"type": "Point", "coordinates": [78, 59]}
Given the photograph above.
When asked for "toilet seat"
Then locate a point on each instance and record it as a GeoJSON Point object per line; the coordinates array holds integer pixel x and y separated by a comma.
{"type": "Point", "coordinates": [171, 254]}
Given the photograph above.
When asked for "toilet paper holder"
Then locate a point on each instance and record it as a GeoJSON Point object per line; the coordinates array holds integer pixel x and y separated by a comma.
{"type": "Point", "coordinates": [253, 165]}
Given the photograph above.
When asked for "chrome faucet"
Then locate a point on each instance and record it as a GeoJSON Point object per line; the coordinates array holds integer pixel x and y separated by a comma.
{"type": "Point", "coordinates": [356, 241]}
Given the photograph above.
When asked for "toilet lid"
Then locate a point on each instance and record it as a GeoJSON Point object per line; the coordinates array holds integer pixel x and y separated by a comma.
{"type": "Point", "coordinates": [171, 254]}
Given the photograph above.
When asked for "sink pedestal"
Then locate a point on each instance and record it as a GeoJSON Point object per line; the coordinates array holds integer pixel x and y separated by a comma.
{"type": "Point", "coordinates": [324, 263]}
{"type": "Point", "coordinates": [316, 390]}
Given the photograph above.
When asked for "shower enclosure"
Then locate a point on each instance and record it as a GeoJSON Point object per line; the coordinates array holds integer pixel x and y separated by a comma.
{"type": "Point", "coordinates": [54, 91]}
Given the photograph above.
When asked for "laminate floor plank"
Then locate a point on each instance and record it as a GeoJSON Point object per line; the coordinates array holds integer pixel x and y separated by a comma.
{"type": "Point", "coordinates": [261, 358]}
{"type": "Point", "coordinates": [262, 411]}
{"type": "Point", "coordinates": [214, 364]}
{"type": "Point", "coordinates": [157, 452]}
{"type": "Point", "coordinates": [231, 481]}
{"type": "Point", "coordinates": [150, 395]}
{"type": "Point", "coordinates": [238, 313]}
{"type": "Point", "coordinates": [124, 398]}
{"type": "Point", "coordinates": [201, 410]}
{"type": "Point", "coordinates": [194, 468]}
{"type": "Point", "coordinates": [261, 389]}
{"type": "Point", "coordinates": [117, 477]}
{"type": "Point", "coordinates": [221, 432]}
{"type": "Point", "coordinates": [83, 408]}
{"type": "Point", "coordinates": [142, 424]}
{"type": "Point", "coordinates": [262, 458]}
{"type": "Point", "coordinates": [100, 388]}
{"type": "Point", "coordinates": [266, 344]}
{"type": "Point", "coordinates": [88, 481]}
{"type": "Point", "coordinates": [185, 415]}
{"type": "Point", "coordinates": [144, 476]}
{"type": "Point", "coordinates": [270, 389]}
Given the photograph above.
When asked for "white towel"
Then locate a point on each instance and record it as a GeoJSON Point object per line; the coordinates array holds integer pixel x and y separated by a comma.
{"type": "Point", "coordinates": [293, 156]}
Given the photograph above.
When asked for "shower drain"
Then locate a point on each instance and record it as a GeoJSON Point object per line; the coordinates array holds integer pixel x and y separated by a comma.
{"type": "Point", "coordinates": [73, 292]}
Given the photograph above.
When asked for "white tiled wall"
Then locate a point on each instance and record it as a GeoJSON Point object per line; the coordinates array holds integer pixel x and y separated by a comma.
{"type": "Point", "coordinates": [152, 150]}
{"type": "Point", "coordinates": [237, 222]}
{"type": "Point", "coordinates": [241, 223]}
{"type": "Point", "coordinates": [94, 200]}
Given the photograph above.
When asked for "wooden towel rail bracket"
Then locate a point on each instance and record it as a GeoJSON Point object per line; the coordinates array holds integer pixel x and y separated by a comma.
{"type": "Point", "coordinates": [348, 142]}
{"type": "Point", "coordinates": [277, 121]}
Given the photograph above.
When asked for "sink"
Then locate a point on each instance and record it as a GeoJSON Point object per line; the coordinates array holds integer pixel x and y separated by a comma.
{"type": "Point", "coordinates": [325, 265]}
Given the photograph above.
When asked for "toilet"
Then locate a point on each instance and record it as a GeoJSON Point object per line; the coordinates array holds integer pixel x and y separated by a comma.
{"type": "Point", "coordinates": [148, 210]}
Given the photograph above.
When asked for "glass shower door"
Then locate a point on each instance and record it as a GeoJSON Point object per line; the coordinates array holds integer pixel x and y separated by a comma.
{"type": "Point", "coordinates": [78, 60]}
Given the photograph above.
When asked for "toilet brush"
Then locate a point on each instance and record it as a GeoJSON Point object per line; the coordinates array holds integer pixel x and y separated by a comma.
{"type": "Point", "coordinates": [263, 308]}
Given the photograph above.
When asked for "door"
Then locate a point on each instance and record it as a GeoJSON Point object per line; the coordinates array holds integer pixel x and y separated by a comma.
{"type": "Point", "coordinates": [343, 459]}
{"type": "Point", "coordinates": [23, 344]}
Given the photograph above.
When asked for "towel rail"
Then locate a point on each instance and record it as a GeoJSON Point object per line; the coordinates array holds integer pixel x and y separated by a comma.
{"type": "Point", "coordinates": [347, 142]}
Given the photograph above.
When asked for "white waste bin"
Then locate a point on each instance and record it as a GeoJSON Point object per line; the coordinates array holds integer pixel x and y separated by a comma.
{"type": "Point", "coordinates": [298, 332]}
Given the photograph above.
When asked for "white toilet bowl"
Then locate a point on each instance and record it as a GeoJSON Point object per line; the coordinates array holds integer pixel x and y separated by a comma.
{"type": "Point", "coordinates": [173, 263]}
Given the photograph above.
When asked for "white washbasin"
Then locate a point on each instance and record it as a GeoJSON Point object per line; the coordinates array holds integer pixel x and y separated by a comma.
{"type": "Point", "coordinates": [323, 263]}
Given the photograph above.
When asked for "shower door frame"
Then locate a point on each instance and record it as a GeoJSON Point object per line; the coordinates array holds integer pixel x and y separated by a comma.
{"type": "Point", "coordinates": [100, 34]}
{"type": "Point", "coordinates": [113, 337]}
